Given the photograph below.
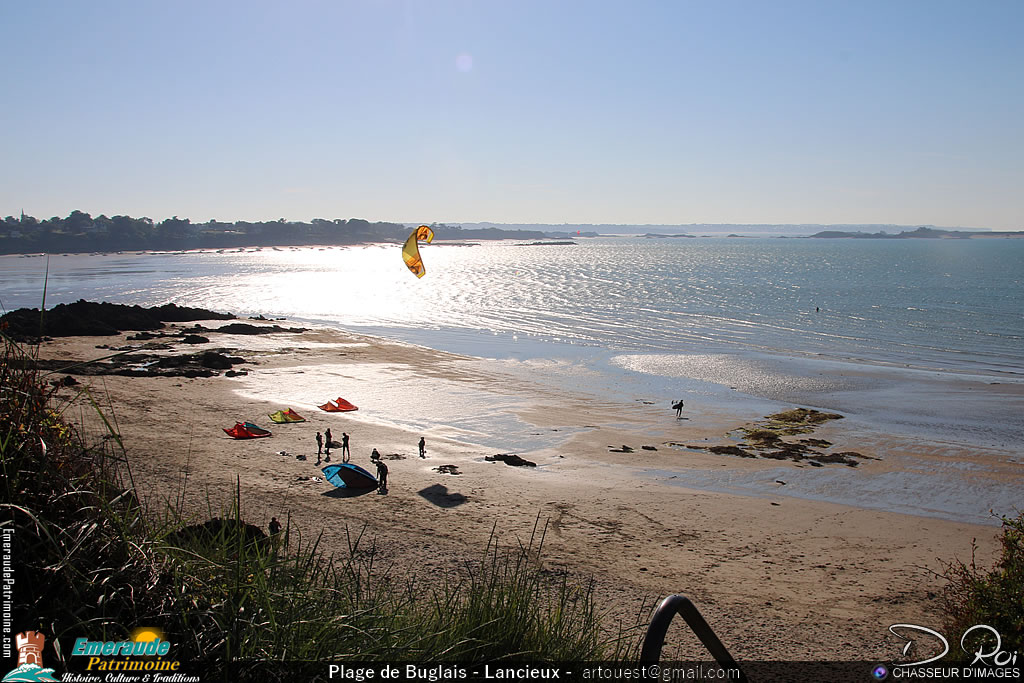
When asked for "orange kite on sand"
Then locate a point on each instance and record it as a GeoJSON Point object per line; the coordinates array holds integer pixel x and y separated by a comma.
{"type": "Point", "coordinates": [339, 406]}
{"type": "Point", "coordinates": [411, 251]}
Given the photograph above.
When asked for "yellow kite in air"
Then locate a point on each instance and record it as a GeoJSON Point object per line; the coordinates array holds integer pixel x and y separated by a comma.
{"type": "Point", "coordinates": [411, 250]}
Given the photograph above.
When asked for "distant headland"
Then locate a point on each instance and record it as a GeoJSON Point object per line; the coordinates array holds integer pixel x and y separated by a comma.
{"type": "Point", "coordinates": [920, 233]}
{"type": "Point", "coordinates": [851, 230]}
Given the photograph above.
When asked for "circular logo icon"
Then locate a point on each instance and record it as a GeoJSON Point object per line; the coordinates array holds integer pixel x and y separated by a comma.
{"type": "Point", "coordinates": [880, 673]}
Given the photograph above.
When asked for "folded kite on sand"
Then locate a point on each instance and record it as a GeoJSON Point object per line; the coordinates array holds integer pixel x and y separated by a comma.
{"type": "Point", "coordinates": [287, 415]}
{"type": "Point", "coordinates": [339, 406]}
{"type": "Point", "coordinates": [246, 431]}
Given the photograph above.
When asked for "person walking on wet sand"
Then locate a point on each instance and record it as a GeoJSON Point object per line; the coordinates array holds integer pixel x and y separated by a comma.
{"type": "Point", "coordinates": [327, 440]}
{"type": "Point", "coordinates": [678, 406]}
{"type": "Point", "coordinates": [423, 447]}
{"type": "Point", "coordinates": [382, 474]}
{"type": "Point", "coordinates": [346, 454]}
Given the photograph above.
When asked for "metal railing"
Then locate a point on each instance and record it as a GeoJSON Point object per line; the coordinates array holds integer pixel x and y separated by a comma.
{"type": "Point", "coordinates": [654, 639]}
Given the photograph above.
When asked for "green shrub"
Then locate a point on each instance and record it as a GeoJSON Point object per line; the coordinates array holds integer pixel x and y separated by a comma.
{"type": "Point", "coordinates": [995, 596]}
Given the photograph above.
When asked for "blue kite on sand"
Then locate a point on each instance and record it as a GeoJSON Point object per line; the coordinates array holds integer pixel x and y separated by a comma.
{"type": "Point", "coordinates": [347, 475]}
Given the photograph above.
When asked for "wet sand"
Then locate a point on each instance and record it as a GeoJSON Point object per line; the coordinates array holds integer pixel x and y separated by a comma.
{"type": "Point", "coordinates": [777, 577]}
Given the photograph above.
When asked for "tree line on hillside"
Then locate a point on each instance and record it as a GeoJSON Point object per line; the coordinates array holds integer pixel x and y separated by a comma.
{"type": "Point", "coordinates": [80, 232]}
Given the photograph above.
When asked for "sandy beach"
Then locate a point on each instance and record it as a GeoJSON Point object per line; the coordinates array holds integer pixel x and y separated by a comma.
{"type": "Point", "coordinates": [777, 577]}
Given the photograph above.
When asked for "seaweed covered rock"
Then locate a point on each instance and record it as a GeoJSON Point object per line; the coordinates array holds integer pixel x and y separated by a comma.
{"type": "Point", "coordinates": [765, 440]}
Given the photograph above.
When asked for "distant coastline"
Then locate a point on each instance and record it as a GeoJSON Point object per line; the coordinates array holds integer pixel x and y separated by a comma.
{"type": "Point", "coordinates": [81, 233]}
{"type": "Point", "coordinates": [735, 230]}
{"type": "Point", "coordinates": [920, 233]}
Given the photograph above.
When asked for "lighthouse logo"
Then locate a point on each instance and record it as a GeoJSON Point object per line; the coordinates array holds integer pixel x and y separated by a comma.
{"type": "Point", "coordinates": [30, 659]}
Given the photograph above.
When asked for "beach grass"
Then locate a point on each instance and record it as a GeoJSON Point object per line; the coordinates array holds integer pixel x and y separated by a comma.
{"type": "Point", "coordinates": [93, 561]}
{"type": "Point", "coordinates": [992, 596]}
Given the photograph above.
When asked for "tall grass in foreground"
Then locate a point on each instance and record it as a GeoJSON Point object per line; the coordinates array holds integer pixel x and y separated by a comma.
{"type": "Point", "coordinates": [92, 563]}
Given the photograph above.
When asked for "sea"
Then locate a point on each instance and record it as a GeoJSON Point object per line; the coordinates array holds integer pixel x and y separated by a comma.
{"type": "Point", "coordinates": [921, 339]}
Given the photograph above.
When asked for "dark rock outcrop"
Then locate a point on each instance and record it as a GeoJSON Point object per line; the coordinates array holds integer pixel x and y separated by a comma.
{"type": "Point", "coordinates": [510, 459]}
{"type": "Point", "coordinates": [91, 319]}
{"type": "Point", "coordinates": [245, 328]}
{"type": "Point", "coordinates": [204, 364]}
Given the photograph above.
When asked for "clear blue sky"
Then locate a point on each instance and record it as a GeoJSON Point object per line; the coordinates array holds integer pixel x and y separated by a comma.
{"type": "Point", "coordinates": [554, 111]}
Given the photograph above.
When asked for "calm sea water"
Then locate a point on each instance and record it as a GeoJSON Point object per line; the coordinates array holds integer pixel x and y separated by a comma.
{"type": "Point", "coordinates": [778, 319]}
{"type": "Point", "coordinates": [923, 339]}
{"type": "Point", "coordinates": [944, 304]}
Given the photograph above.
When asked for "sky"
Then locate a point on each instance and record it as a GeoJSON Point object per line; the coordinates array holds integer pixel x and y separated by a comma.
{"type": "Point", "coordinates": [907, 112]}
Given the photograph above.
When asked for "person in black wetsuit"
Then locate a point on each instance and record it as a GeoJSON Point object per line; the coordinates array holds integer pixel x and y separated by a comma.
{"type": "Point", "coordinates": [382, 475]}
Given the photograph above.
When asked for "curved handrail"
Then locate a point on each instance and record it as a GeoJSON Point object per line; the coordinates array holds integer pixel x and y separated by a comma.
{"type": "Point", "coordinates": [654, 639]}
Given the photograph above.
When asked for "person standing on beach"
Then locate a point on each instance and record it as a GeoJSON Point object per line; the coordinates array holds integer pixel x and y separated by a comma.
{"type": "Point", "coordinates": [678, 408]}
{"type": "Point", "coordinates": [346, 454]}
{"type": "Point", "coordinates": [275, 533]}
{"type": "Point", "coordinates": [382, 473]}
{"type": "Point", "coordinates": [319, 446]}
{"type": "Point", "coordinates": [423, 447]}
{"type": "Point", "coordinates": [327, 439]}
